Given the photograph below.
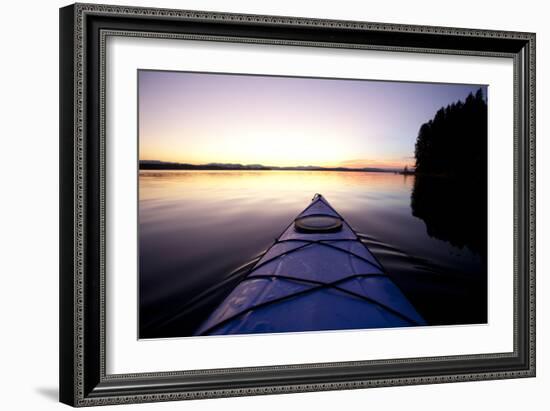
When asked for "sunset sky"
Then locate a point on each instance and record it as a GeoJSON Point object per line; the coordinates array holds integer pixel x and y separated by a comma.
{"type": "Point", "coordinates": [203, 118]}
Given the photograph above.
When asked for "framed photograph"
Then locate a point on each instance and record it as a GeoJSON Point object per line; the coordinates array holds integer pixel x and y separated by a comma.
{"type": "Point", "coordinates": [261, 204]}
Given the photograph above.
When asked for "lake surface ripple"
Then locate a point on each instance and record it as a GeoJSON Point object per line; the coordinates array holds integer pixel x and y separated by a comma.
{"type": "Point", "coordinates": [197, 228]}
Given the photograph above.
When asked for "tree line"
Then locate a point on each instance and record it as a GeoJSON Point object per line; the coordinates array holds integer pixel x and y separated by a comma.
{"type": "Point", "coordinates": [454, 142]}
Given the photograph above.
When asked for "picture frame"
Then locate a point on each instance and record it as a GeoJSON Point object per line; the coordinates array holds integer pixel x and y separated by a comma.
{"type": "Point", "coordinates": [84, 380]}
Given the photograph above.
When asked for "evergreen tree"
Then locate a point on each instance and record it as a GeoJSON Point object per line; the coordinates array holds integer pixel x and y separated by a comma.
{"type": "Point", "coordinates": [454, 142]}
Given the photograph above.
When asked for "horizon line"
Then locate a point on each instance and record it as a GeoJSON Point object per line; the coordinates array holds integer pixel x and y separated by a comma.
{"type": "Point", "coordinates": [260, 165]}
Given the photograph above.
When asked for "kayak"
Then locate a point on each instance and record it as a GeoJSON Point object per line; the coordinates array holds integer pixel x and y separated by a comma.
{"type": "Point", "coordinates": [317, 275]}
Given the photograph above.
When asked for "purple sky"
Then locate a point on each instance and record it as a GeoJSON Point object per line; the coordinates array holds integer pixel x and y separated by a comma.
{"type": "Point", "coordinates": [285, 121]}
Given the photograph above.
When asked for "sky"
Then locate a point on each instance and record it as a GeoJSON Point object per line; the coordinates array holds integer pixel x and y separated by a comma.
{"type": "Point", "coordinates": [201, 118]}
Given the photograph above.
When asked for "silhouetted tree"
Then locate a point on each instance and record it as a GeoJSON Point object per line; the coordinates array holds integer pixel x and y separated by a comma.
{"type": "Point", "coordinates": [454, 142]}
{"type": "Point", "coordinates": [450, 189]}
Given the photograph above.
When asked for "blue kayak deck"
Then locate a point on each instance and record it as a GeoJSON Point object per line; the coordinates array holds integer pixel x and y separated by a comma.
{"type": "Point", "coordinates": [313, 282]}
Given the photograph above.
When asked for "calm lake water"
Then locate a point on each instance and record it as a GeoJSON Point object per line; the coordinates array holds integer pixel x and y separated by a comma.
{"type": "Point", "coordinates": [199, 227]}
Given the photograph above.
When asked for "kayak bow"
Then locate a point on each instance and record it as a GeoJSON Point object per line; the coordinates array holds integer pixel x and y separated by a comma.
{"type": "Point", "coordinates": [317, 275]}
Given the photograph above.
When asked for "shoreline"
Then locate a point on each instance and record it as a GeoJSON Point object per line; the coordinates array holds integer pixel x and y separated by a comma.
{"type": "Point", "coordinates": [214, 168]}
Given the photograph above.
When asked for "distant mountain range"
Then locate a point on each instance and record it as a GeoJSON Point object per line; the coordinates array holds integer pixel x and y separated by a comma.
{"type": "Point", "coordinates": [164, 165]}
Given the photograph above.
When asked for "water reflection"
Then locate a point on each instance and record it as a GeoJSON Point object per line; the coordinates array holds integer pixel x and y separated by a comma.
{"type": "Point", "coordinates": [198, 227]}
{"type": "Point", "coordinates": [454, 210]}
